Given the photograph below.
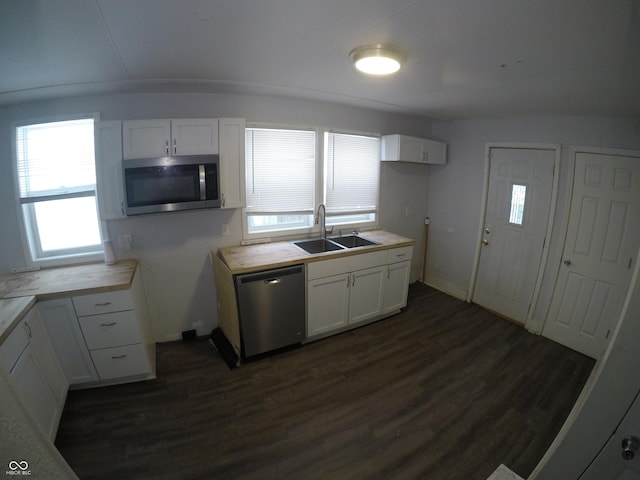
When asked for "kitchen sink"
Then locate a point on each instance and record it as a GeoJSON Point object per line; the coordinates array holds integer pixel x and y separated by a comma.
{"type": "Point", "coordinates": [351, 241]}
{"type": "Point", "coordinates": [318, 245]}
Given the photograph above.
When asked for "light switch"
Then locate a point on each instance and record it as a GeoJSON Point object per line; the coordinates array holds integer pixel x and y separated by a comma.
{"type": "Point", "coordinates": [125, 240]}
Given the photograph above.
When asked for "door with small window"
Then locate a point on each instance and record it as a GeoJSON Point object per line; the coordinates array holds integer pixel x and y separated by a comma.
{"type": "Point", "coordinates": [516, 218]}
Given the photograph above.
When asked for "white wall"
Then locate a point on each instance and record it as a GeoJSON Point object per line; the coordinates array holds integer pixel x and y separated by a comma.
{"type": "Point", "coordinates": [454, 191]}
{"type": "Point", "coordinates": [173, 248]}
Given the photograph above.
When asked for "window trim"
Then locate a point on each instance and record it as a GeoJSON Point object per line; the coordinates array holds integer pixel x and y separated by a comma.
{"type": "Point", "coordinates": [32, 257]}
{"type": "Point", "coordinates": [259, 237]}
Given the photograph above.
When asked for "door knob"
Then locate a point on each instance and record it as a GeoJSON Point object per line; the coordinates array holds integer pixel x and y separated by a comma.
{"type": "Point", "coordinates": [629, 447]}
{"type": "Point", "coordinates": [567, 262]}
{"type": "Point", "coordinates": [487, 231]}
{"type": "Point", "coordinates": [485, 242]}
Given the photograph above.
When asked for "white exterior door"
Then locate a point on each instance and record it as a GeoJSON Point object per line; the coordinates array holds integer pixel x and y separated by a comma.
{"type": "Point", "coordinates": [515, 224]}
{"type": "Point", "coordinates": [620, 457]}
{"type": "Point", "coordinates": [603, 236]}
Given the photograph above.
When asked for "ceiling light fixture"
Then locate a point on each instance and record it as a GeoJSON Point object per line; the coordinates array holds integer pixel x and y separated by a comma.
{"type": "Point", "coordinates": [377, 59]}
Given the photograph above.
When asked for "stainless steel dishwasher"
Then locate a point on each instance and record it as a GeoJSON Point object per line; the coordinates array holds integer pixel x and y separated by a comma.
{"type": "Point", "coordinates": [272, 309]}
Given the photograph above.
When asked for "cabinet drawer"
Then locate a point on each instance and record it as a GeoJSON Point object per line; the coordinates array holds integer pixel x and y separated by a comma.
{"type": "Point", "coordinates": [107, 302]}
{"type": "Point", "coordinates": [399, 254]}
{"type": "Point", "coordinates": [110, 330]}
{"type": "Point", "coordinates": [13, 346]}
{"type": "Point", "coordinates": [121, 361]}
{"type": "Point", "coordinates": [326, 268]}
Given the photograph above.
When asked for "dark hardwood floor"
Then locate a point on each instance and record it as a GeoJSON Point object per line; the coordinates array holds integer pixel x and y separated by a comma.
{"type": "Point", "coordinates": [444, 390]}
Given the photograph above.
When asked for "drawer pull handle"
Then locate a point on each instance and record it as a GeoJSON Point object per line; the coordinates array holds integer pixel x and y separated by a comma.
{"type": "Point", "coordinates": [118, 357]}
{"type": "Point", "coordinates": [102, 304]}
{"type": "Point", "coordinates": [400, 255]}
{"type": "Point", "coordinates": [108, 324]}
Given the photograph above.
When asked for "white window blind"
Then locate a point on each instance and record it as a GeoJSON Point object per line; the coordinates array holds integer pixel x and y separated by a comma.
{"type": "Point", "coordinates": [280, 170]}
{"type": "Point", "coordinates": [55, 159]}
{"type": "Point", "coordinates": [352, 169]}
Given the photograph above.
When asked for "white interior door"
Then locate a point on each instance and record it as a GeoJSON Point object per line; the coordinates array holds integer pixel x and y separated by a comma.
{"type": "Point", "coordinates": [515, 224]}
{"type": "Point", "coordinates": [620, 457]}
{"type": "Point", "coordinates": [603, 236]}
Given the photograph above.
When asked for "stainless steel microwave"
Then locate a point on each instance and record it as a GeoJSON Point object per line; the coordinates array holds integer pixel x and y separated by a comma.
{"type": "Point", "coordinates": [167, 184]}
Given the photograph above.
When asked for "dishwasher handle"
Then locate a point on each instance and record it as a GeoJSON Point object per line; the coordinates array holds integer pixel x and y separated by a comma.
{"type": "Point", "coordinates": [269, 277]}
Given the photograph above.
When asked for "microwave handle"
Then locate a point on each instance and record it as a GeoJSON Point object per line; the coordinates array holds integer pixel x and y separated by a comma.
{"type": "Point", "coordinates": [203, 182]}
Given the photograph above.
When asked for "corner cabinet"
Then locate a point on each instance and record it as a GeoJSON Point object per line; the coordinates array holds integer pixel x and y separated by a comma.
{"type": "Point", "coordinates": [232, 181]}
{"type": "Point", "coordinates": [402, 148]}
{"type": "Point", "coordinates": [102, 338]}
{"type": "Point", "coordinates": [349, 291]}
{"type": "Point", "coordinates": [158, 138]}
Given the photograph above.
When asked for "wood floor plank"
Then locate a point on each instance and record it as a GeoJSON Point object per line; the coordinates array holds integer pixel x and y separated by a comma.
{"type": "Point", "coordinates": [444, 390]}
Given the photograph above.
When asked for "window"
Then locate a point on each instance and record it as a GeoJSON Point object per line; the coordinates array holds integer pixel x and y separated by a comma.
{"type": "Point", "coordinates": [285, 183]}
{"type": "Point", "coordinates": [280, 179]}
{"type": "Point", "coordinates": [352, 176]}
{"type": "Point", "coordinates": [518, 196]}
{"type": "Point", "coordinates": [57, 188]}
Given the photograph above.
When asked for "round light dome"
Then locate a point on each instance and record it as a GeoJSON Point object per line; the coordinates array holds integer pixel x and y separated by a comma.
{"type": "Point", "coordinates": [377, 59]}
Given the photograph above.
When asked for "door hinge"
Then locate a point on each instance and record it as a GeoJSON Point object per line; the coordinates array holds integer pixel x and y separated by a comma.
{"type": "Point", "coordinates": [630, 262]}
{"type": "Point", "coordinates": [607, 335]}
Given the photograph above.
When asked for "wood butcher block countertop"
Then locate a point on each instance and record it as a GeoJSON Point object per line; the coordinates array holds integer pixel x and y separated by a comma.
{"type": "Point", "coordinates": [19, 291]}
{"type": "Point", "coordinates": [264, 256]}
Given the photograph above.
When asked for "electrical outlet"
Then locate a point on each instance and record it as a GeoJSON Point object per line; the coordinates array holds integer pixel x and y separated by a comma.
{"type": "Point", "coordinates": [225, 230]}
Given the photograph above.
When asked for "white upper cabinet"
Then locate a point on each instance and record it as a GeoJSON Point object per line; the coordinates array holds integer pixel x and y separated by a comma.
{"type": "Point", "coordinates": [232, 181]}
{"type": "Point", "coordinates": [157, 138]}
{"type": "Point", "coordinates": [402, 148]}
{"type": "Point", "coordinates": [108, 148]}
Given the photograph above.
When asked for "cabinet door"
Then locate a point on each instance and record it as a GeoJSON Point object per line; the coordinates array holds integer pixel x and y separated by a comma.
{"type": "Point", "coordinates": [146, 138]}
{"type": "Point", "coordinates": [232, 181]}
{"type": "Point", "coordinates": [365, 298]}
{"type": "Point", "coordinates": [434, 153]}
{"type": "Point", "coordinates": [327, 304]}
{"type": "Point", "coordinates": [61, 323]}
{"type": "Point", "coordinates": [35, 392]}
{"type": "Point", "coordinates": [108, 139]}
{"type": "Point", "coordinates": [46, 356]}
{"type": "Point", "coordinates": [396, 286]}
{"type": "Point", "coordinates": [194, 136]}
{"type": "Point", "coordinates": [412, 149]}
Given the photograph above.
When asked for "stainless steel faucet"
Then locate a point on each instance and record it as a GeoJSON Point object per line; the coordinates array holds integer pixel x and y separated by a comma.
{"type": "Point", "coordinates": [323, 230]}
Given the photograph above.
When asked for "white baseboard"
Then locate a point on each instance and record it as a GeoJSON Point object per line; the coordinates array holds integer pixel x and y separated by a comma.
{"type": "Point", "coordinates": [447, 287]}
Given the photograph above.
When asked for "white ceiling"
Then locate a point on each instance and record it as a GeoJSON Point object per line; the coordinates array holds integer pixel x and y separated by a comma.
{"type": "Point", "coordinates": [465, 58]}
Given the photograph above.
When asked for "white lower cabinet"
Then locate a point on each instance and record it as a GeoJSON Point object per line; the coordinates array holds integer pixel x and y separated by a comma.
{"type": "Point", "coordinates": [102, 338]}
{"type": "Point", "coordinates": [114, 328]}
{"type": "Point", "coordinates": [327, 304]}
{"type": "Point", "coordinates": [61, 323]}
{"type": "Point", "coordinates": [348, 291]}
{"type": "Point", "coordinates": [396, 286]}
{"type": "Point", "coordinates": [365, 297]}
{"type": "Point", "coordinates": [34, 369]}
